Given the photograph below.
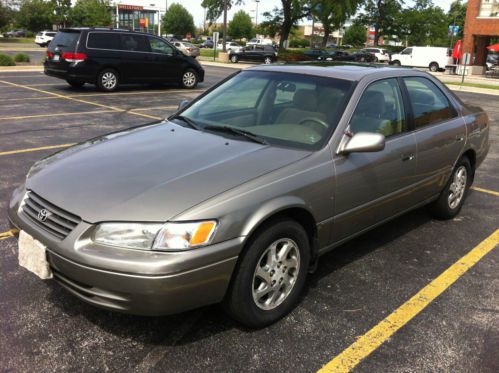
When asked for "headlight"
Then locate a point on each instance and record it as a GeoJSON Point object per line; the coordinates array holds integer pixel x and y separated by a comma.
{"type": "Point", "coordinates": [169, 236]}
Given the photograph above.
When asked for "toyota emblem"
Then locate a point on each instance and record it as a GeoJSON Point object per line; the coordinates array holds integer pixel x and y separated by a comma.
{"type": "Point", "coordinates": [43, 215]}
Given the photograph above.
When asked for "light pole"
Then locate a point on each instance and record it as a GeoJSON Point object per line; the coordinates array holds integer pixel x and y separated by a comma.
{"type": "Point", "coordinates": [159, 17]}
{"type": "Point", "coordinates": [256, 12]}
{"type": "Point", "coordinates": [117, 15]}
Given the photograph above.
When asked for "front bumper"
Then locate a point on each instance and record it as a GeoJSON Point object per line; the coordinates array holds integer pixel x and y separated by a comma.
{"type": "Point", "coordinates": [135, 281]}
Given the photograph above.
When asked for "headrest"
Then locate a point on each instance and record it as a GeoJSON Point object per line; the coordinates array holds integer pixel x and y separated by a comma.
{"type": "Point", "coordinates": [372, 104]}
{"type": "Point", "coordinates": [305, 99]}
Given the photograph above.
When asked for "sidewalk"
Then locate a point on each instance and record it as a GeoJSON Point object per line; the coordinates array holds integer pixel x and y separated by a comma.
{"type": "Point", "coordinates": [477, 79]}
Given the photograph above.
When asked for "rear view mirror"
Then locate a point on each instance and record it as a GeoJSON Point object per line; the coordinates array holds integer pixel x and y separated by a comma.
{"type": "Point", "coordinates": [182, 104]}
{"type": "Point", "coordinates": [365, 142]}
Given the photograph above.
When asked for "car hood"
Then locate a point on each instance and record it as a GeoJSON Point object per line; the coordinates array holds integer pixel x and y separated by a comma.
{"type": "Point", "coordinates": [150, 173]}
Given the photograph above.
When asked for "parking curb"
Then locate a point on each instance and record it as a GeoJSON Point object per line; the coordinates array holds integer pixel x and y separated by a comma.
{"type": "Point", "coordinates": [14, 69]}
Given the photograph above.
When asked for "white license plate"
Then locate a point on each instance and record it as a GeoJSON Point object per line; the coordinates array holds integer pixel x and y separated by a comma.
{"type": "Point", "coordinates": [56, 57]}
{"type": "Point", "coordinates": [33, 257]}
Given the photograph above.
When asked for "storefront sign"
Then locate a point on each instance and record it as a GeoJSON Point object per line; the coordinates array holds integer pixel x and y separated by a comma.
{"type": "Point", "coordinates": [130, 7]}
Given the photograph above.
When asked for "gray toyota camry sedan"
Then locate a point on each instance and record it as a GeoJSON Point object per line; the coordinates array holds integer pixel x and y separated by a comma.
{"type": "Point", "coordinates": [235, 197]}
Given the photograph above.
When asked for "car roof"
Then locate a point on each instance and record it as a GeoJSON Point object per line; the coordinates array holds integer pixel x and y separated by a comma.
{"type": "Point", "coordinates": [347, 71]}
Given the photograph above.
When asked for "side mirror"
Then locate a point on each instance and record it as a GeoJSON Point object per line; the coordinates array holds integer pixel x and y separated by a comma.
{"type": "Point", "coordinates": [182, 104]}
{"type": "Point", "coordinates": [364, 142]}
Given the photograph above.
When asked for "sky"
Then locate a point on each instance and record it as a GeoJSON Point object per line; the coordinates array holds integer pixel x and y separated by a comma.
{"type": "Point", "coordinates": [194, 7]}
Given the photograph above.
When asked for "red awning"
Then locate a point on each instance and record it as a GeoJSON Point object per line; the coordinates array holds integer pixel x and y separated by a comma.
{"type": "Point", "coordinates": [493, 47]}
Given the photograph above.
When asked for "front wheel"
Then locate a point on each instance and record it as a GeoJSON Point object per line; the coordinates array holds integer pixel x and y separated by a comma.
{"type": "Point", "coordinates": [108, 80]}
{"type": "Point", "coordinates": [270, 275]}
{"type": "Point", "coordinates": [451, 200]}
{"type": "Point", "coordinates": [189, 79]}
{"type": "Point", "coordinates": [234, 58]}
{"type": "Point", "coordinates": [396, 63]}
{"type": "Point", "coordinates": [267, 60]}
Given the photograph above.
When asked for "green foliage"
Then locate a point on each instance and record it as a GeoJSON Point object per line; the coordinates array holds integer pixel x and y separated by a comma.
{"type": "Point", "coordinates": [299, 43]}
{"type": "Point", "coordinates": [62, 12]}
{"type": "Point", "coordinates": [21, 57]}
{"type": "Point", "coordinates": [91, 13]}
{"type": "Point", "coordinates": [215, 8]}
{"type": "Point", "coordinates": [384, 15]}
{"type": "Point", "coordinates": [241, 26]}
{"type": "Point", "coordinates": [4, 15]}
{"type": "Point", "coordinates": [177, 21]}
{"type": "Point", "coordinates": [6, 60]}
{"type": "Point", "coordinates": [35, 15]}
{"type": "Point", "coordinates": [355, 35]}
{"type": "Point", "coordinates": [457, 14]}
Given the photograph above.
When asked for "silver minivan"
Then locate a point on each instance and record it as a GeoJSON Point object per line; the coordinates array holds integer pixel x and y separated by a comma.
{"type": "Point", "coordinates": [235, 197]}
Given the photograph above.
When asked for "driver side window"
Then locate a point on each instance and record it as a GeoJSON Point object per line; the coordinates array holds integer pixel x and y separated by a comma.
{"type": "Point", "coordinates": [380, 110]}
{"type": "Point", "coordinates": [158, 46]}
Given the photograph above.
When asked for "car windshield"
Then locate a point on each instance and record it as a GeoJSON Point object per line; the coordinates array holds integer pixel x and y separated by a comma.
{"type": "Point", "coordinates": [281, 108]}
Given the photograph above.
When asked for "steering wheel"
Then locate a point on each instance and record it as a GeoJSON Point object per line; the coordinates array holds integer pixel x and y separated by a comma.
{"type": "Point", "coordinates": [316, 120]}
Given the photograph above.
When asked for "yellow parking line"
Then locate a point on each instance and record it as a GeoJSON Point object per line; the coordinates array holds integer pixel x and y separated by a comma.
{"type": "Point", "coordinates": [366, 344]}
{"type": "Point", "coordinates": [58, 114]}
{"type": "Point", "coordinates": [28, 150]}
{"type": "Point", "coordinates": [79, 100]}
{"type": "Point", "coordinates": [157, 108]}
{"type": "Point", "coordinates": [494, 193]}
{"type": "Point", "coordinates": [8, 234]}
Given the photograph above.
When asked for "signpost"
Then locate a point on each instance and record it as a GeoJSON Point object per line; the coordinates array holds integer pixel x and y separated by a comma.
{"type": "Point", "coordinates": [466, 61]}
{"type": "Point", "coordinates": [216, 36]}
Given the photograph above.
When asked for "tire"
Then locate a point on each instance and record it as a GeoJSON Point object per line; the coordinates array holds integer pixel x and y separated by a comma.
{"type": "Point", "coordinates": [267, 60]}
{"type": "Point", "coordinates": [396, 63]}
{"type": "Point", "coordinates": [234, 59]}
{"type": "Point", "coordinates": [284, 278]}
{"type": "Point", "coordinates": [433, 67]}
{"type": "Point", "coordinates": [108, 80]}
{"type": "Point", "coordinates": [451, 200]}
{"type": "Point", "coordinates": [75, 83]}
{"type": "Point", "coordinates": [189, 79]}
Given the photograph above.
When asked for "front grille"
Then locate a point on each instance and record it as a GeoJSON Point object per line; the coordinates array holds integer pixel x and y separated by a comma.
{"type": "Point", "coordinates": [59, 223]}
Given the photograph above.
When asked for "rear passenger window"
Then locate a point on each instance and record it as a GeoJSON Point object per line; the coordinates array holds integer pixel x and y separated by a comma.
{"type": "Point", "coordinates": [429, 104]}
{"type": "Point", "coordinates": [134, 43]}
{"type": "Point", "coordinates": [103, 40]}
{"type": "Point", "coordinates": [380, 109]}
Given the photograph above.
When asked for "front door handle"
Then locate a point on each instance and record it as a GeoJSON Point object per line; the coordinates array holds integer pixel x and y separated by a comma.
{"type": "Point", "coordinates": [407, 157]}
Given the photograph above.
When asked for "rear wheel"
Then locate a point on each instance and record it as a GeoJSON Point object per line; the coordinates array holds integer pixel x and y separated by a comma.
{"type": "Point", "coordinates": [433, 66]}
{"type": "Point", "coordinates": [452, 198]}
{"type": "Point", "coordinates": [108, 80]}
{"type": "Point", "coordinates": [75, 83]}
{"type": "Point", "coordinates": [396, 63]}
{"type": "Point", "coordinates": [267, 60]}
{"type": "Point", "coordinates": [270, 275]}
{"type": "Point", "coordinates": [234, 58]}
{"type": "Point", "coordinates": [189, 79]}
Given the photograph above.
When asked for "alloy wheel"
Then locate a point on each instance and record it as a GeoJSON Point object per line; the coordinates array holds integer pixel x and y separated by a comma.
{"type": "Point", "coordinates": [457, 187]}
{"type": "Point", "coordinates": [268, 60]}
{"type": "Point", "coordinates": [109, 80]}
{"type": "Point", "coordinates": [189, 79]}
{"type": "Point", "coordinates": [276, 274]}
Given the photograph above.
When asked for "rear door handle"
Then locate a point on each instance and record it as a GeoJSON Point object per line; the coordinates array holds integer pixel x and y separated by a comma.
{"type": "Point", "coordinates": [407, 157]}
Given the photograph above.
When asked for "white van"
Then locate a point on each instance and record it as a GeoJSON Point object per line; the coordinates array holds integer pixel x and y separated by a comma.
{"type": "Point", "coordinates": [434, 58]}
{"type": "Point", "coordinates": [260, 42]}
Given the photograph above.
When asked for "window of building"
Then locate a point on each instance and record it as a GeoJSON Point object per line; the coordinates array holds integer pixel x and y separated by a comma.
{"type": "Point", "coordinates": [489, 8]}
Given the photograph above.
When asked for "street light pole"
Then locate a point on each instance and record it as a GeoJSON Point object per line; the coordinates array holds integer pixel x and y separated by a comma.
{"type": "Point", "coordinates": [256, 13]}
{"type": "Point", "coordinates": [224, 48]}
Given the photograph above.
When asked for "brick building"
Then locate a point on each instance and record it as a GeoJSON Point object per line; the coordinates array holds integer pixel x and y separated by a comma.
{"type": "Point", "coordinates": [481, 26]}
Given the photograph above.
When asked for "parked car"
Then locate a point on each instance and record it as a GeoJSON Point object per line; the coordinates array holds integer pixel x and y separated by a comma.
{"type": "Point", "coordinates": [257, 41]}
{"type": "Point", "coordinates": [187, 48]}
{"type": "Point", "coordinates": [15, 34]}
{"type": "Point", "coordinates": [331, 46]}
{"type": "Point", "coordinates": [261, 53]}
{"type": "Point", "coordinates": [339, 55]}
{"type": "Point", "coordinates": [43, 38]}
{"type": "Point", "coordinates": [380, 54]}
{"type": "Point", "coordinates": [207, 44]}
{"type": "Point", "coordinates": [362, 56]}
{"type": "Point", "coordinates": [318, 54]}
{"type": "Point", "coordinates": [110, 57]}
{"type": "Point", "coordinates": [492, 61]}
{"type": "Point", "coordinates": [235, 196]}
{"type": "Point", "coordinates": [434, 58]}
{"type": "Point", "coordinates": [347, 46]}
{"type": "Point", "coordinates": [230, 46]}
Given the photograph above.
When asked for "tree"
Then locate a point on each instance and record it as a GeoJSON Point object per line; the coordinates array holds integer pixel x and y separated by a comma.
{"type": "Point", "coordinates": [355, 35]}
{"type": "Point", "coordinates": [178, 21]}
{"type": "Point", "coordinates": [91, 13]}
{"type": "Point", "coordinates": [332, 14]}
{"type": "Point", "coordinates": [4, 15]}
{"type": "Point", "coordinates": [383, 16]}
{"type": "Point", "coordinates": [457, 16]}
{"type": "Point", "coordinates": [35, 15]}
{"type": "Point", "coordinates": [214, 9]}
{"type": "Point", "coordinates": [292, 12]}
{"type": "Point", "coordinates": [62, 10]}
{"type": "Point", "coordinates": [241, 26]}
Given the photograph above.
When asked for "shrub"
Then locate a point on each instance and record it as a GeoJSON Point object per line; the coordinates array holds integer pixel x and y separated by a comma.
{"type": "Point", "coordinates": [299, 43]}
{"type": "Point", "coordinates": [6, 60]}
{"type": "Point", "coordinates": [292, 56]}
{"type": "Point", "coordinates": [21, 57]}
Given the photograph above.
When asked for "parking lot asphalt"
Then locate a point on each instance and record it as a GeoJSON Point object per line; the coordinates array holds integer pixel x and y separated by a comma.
{"type": "Point", "coordinates": [355, 288]}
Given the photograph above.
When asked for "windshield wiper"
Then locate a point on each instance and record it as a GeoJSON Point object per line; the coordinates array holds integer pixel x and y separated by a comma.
{"type": "Point", "coordinates": [237, 131]}
{"type": "Point", "coordinates": [189, 121]}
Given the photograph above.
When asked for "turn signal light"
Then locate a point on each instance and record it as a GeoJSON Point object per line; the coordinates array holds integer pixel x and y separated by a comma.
{"type": "Point", "coordinates": [74, 57]}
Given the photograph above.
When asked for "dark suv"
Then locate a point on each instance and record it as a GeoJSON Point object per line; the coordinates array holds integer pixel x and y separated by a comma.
{"type": "Point", "coordinates": [262, 53]}
{"type": "Point", "coordinates": [109, 57]}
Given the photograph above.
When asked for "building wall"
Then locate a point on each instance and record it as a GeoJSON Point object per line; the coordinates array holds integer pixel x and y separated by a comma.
{"type": "Point", "coordinates": [482, 22]}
